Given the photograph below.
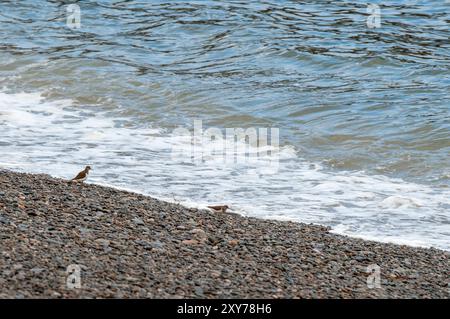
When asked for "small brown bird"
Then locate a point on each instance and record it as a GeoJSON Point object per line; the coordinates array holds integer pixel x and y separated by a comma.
{"type": "Point", "coordinates": [82, 176]}
{"type": "Point", "coordinates": [219, 209]}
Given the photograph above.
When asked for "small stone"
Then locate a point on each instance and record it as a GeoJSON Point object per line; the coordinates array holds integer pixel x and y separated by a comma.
{"type": "Point", "coordinates": [20, 275]}
{"type": "Point", "coordinates": [360, 258]}
{"type": "Point", "coordinates": [99, 214]}
{"type": "Point", "coordinates": [213, 240]}
{"type": "Point", "coordinates": [130, 278]}
{"type": "Point", "coordinates": [37, 270]}
{"type": "Point", "coordinates": [190, 242]}
{"type": "Point", "coordinates": [156, 244]}
{"type": "Point", "coordinates": [199, 234]}
{"type": "Point", "coordinates": [103, 242]}
{"type": "Point", "coordinates": [198, 291]}
{"type": "Point", "coordinates": [399, 271]}
{"type": "Point", "coordinates": [4, 220]}
{"type": "Point", "coordinates": [84, 231]}
{"type": "Point", "coordinates": [233, 242]}
{"type": "Point", "coordinates": [198, 231]}
{"type": "Point", "coordinates": [17, 266]}
{"type": "Point", "coordinates": [138, 221]}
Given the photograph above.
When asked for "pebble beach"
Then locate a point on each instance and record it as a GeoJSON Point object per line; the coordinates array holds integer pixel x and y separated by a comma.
{"type": "Point", "coordinates": [127, 245]}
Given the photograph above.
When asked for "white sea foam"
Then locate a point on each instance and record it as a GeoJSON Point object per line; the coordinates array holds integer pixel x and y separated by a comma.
{"type": "Point", "coordinates": [58, 137]}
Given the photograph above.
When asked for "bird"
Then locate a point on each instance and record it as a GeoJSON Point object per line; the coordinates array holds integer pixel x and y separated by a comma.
{"type": "Point", "coordinates": [219, 209]}
{"type": "Point", "coordinates": [82, 176]}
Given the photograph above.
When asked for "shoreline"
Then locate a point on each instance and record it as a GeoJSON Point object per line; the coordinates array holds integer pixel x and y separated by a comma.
{"type": "Point", "coordinates": [130, 245]}
{"type": "Point", "coordinates": [196, 205]}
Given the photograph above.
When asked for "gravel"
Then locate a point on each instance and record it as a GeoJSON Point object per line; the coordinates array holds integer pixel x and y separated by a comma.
{"type": "Point", "coordinates": [127, 245]}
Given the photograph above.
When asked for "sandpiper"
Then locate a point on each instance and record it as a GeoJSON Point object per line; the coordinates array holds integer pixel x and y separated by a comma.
{"type": "Point", "coordinates": [219, 209]}
{"type": "Point", "coordinates": [82, 176]}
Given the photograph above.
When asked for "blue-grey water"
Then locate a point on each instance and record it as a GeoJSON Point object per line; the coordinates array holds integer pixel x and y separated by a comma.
{"type": "Point", "coordinates": [363, 113]}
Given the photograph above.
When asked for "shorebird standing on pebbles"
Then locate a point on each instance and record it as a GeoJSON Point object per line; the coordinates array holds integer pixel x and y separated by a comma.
{"type": "Point", "coordinates": [219, 209]}
{"type": "Point", "coordinates": [82, 176]}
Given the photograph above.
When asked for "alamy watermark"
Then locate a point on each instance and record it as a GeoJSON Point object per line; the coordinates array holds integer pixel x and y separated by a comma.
{"type": "Point", "coordinates": [374, 278]}
{"type": "Point", "coordinates": [374, 18]}
{"type": "Point", "coordinates": [254, 147]}
{"type": "Point", "coordinates": [73, 279]}
{"type": "Point", "coordinates": [73, 20]}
